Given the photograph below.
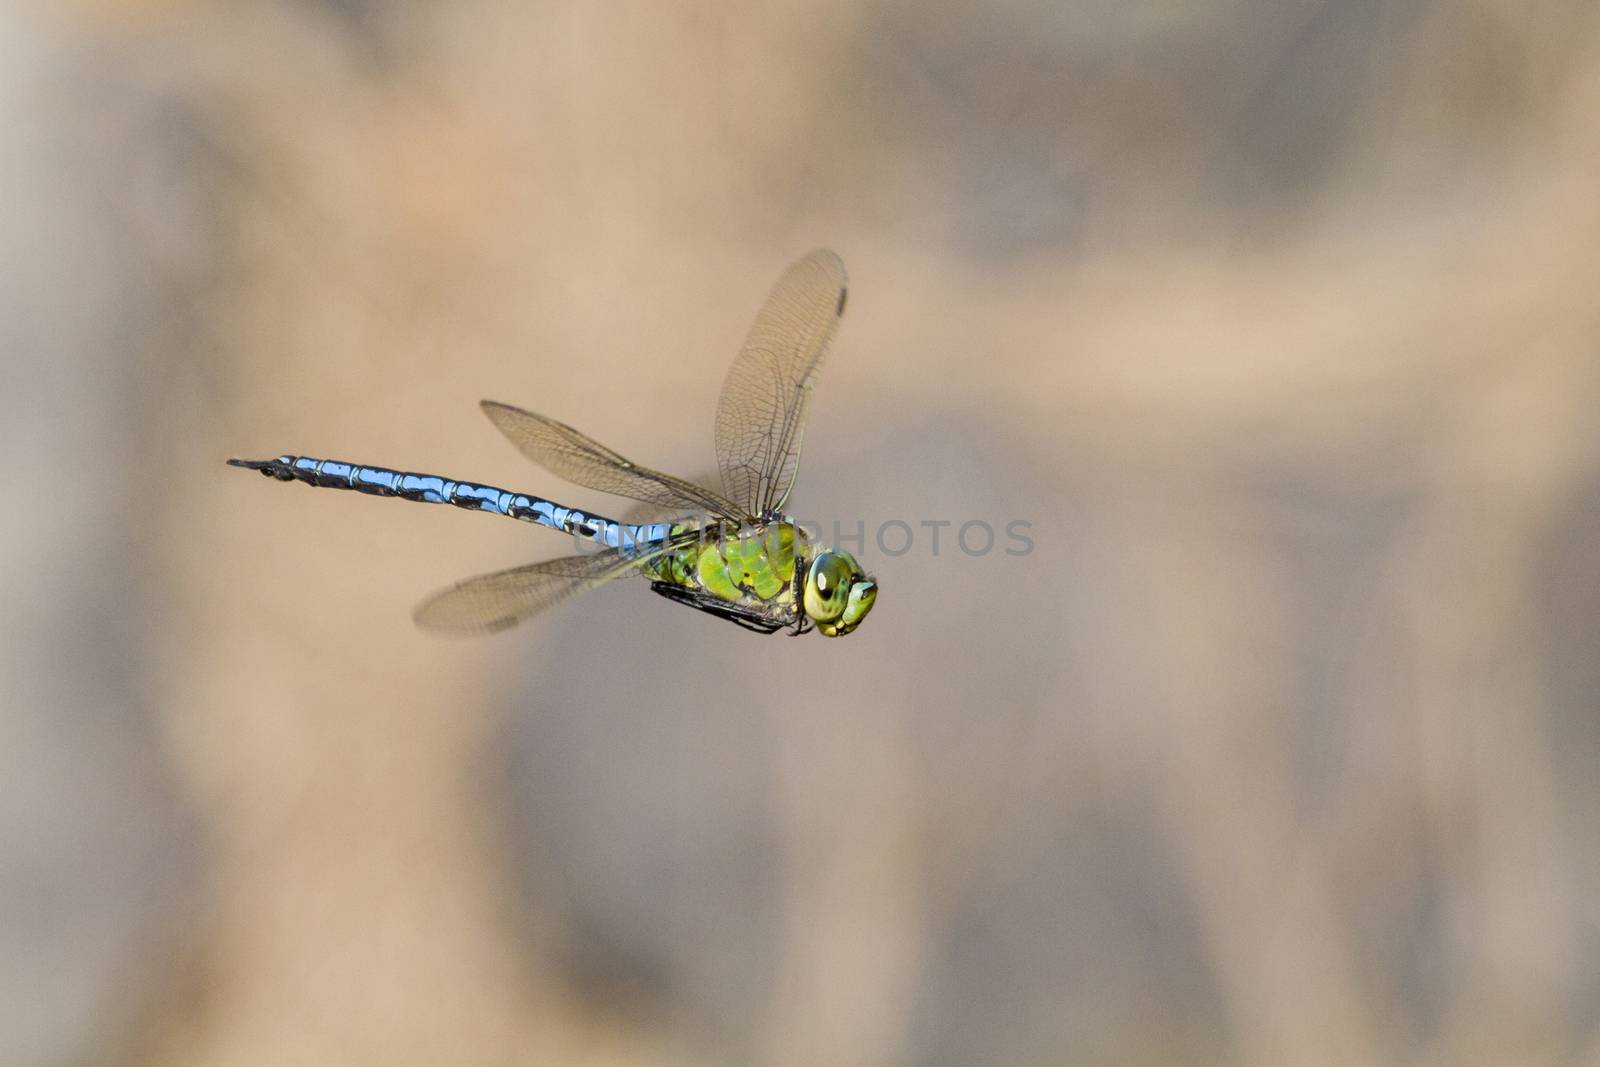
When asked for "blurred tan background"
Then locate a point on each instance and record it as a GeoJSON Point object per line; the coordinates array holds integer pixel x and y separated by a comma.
{"type": "Point", "coordinates": [1277, 321]}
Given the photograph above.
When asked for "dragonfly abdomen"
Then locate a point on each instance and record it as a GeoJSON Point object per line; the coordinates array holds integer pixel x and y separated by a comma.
{"type": "Point", "coordinates": [433, 489]}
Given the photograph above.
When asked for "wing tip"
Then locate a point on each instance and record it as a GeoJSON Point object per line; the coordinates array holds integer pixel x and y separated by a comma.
{"type": "Point", "coordinates": [830, 262]}
{"type": "Point", "coordinates": [504, 415]}
{"type": "Point", "coordinates": [426, 621]}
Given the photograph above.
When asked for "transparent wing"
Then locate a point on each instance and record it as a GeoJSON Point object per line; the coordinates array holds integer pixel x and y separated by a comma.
{"type": "Point", "coordinates": [761, 416]}
{"type": "Point", "coordinates": [640, 514]}
{"type": "Point", "coordinates": [489, 603]}
{"type": "Point", "coordinates": [584, 461]}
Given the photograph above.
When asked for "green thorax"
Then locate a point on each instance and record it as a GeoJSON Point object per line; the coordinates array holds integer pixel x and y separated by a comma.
{"type": "Point", "coordinates": [753, 567]}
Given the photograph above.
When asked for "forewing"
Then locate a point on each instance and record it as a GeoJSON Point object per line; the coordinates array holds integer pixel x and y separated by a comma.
{"type": "Point", "coordinates": [641, 513]}
{"type": "Point", "coordinates": [582, 460]}
{"type": "Point", "coordinates": [489, 603]}
{"type": "Point", "coordinates": [761, 415]}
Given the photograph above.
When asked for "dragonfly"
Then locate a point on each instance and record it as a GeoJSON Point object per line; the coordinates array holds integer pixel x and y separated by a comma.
{"type": "Point", "coordinates": [734, 554]}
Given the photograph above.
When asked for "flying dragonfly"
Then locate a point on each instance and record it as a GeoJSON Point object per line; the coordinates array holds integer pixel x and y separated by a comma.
{"type": "Point", "coordinates": [736, 554]}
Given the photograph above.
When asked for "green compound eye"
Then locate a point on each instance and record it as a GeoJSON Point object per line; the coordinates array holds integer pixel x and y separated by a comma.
{"type": "Point", "coordinates": [828, 585]}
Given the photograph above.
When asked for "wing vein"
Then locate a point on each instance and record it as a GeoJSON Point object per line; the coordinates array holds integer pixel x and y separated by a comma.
{"type": "Point", "coordinates": [765, 396]}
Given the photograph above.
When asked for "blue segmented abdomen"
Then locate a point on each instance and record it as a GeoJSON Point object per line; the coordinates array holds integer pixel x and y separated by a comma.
{"type": "Point", "coordinates": [432, 489]}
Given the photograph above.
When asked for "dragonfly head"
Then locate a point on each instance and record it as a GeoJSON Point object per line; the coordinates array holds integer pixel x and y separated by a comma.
{"type": "Point", "coordinates": [837, 594]}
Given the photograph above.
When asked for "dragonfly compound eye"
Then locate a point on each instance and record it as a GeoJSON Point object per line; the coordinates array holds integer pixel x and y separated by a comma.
{"type": "Point", "coordinates": [828, 585]}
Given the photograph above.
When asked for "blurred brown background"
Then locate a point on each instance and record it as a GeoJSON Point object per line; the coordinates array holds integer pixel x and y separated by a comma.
{"type": "Point", "coordinates": [1277, 321]}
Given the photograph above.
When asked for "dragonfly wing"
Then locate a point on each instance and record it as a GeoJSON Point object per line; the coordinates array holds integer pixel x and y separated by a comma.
{"type": "Point", "coordinates": [761, 415]}
{"type": "Point", "coordinates": [582, 460]}
{"type": "Point", "coordinates": [498, 601]}
{"type": "Point", "coordinates": [641, 514]}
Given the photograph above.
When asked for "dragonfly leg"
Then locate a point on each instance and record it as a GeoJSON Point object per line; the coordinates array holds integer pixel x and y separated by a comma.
{"type": "Point", "coordinates": [744, 617]}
